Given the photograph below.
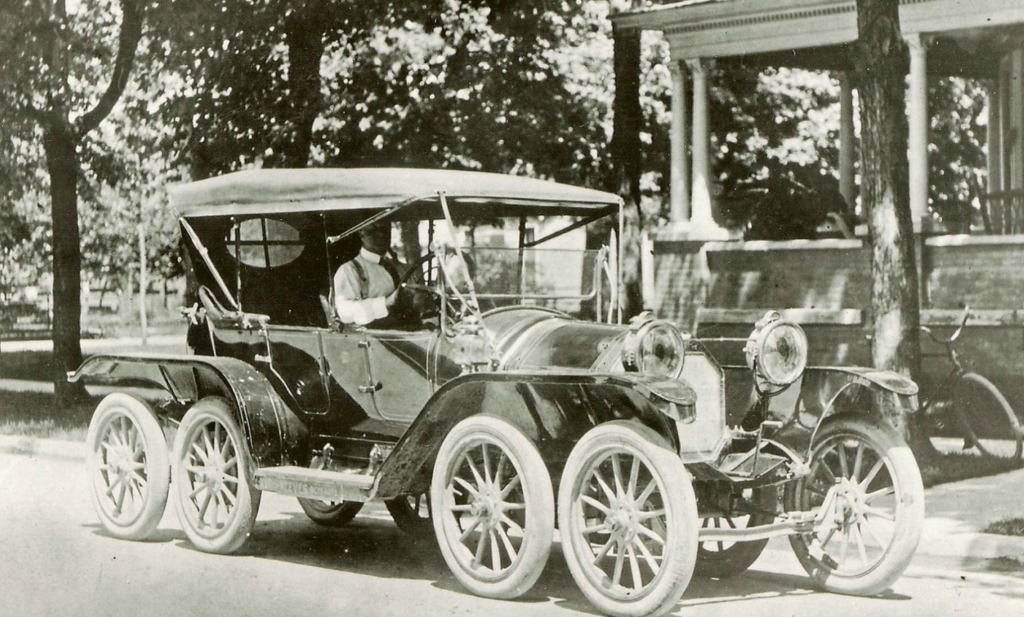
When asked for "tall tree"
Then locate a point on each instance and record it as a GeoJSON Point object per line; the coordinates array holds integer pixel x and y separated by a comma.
{"type": "Point", "coordinates": [54, 58]}
{"type": "Point", "coordinates": [248, 87]}
{"type": "Point", "coordinates": [881, 69]}
{"type": "Point", "coordinates": [627, 158]}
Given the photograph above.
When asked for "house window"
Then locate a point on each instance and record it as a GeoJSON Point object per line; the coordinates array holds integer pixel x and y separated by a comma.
{"type": "Point", "coordinates": [264, 243]}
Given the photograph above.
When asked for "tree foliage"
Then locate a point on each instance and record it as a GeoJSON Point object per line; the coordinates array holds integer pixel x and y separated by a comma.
{"type": "Point", "coordinates": [64, 68]}
{"type": "Point", "coordinates": [956, 155]}
{"type": "Point", "coordinates": [476, 85]}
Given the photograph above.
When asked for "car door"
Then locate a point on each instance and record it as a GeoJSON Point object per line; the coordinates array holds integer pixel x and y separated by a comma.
{"type": "Point", "coordinates": [398, 370]}
{"type": "Point", "coordinates": [386, 372]}
{"type": "Point", "coordinates": [349, 374]}
{"type": "Point", "coordinates": [294, 360]}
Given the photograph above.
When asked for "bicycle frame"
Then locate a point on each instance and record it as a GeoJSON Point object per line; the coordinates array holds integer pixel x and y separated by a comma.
{"type": "Point", "coordinates": [958, 369]}
{"type": "Point", "coordinates": [944, 390]}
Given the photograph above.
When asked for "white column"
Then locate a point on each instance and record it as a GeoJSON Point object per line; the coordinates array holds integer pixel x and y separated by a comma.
{"type": "Point", "coordinates": [700, 199]}
{"type": "Point", "coordinates": [918, 127]}
{"type": "Point", "coordinates": [679, 178]}
{"type": "Point", "coordinates": [847, 183]}
{"type": "Point", "coordinates": [995, 142]}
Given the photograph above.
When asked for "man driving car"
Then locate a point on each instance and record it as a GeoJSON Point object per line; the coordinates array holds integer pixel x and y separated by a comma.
{"type": "Point", "coordinates": [366, 287]}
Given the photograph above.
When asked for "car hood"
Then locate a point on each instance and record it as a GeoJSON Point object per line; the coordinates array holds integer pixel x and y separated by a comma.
{"type": "Point", "coordinates": [540, 339]}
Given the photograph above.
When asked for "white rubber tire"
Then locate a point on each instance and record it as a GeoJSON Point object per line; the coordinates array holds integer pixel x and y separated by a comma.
{"type": "Point", "coordinates": [600, 511]}
{"type": "Point", "coordinates": [882, 507]}
{"type": "Point", "coordinates": [127, 462]}
{"type": "Point", "coordinates": [211, 470]}
{"type": "Point", "coordinates": [493, 507]}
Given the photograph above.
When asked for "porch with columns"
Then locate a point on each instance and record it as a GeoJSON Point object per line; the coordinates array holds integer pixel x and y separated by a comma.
{"type": "Point", "coordinates": [717, 288]}
{"type": "Point", "coordinates": [983, 39]}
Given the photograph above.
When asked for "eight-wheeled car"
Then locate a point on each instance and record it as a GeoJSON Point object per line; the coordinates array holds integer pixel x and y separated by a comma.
{"type": "Point", "coordinates": [506, 400]}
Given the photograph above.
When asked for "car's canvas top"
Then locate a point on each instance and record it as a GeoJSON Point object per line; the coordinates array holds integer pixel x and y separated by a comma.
{"type": "Point", "coordinates": [288, 190]}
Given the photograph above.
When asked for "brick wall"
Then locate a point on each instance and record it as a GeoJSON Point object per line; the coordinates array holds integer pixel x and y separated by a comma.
{"type": "Point", "coordinates": [986, 272]}
{"type": "Point", "coordinates": [720, 287]}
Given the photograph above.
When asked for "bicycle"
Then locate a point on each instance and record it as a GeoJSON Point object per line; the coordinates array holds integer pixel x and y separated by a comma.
{"type": "Point", "coordinates": [975, 411]}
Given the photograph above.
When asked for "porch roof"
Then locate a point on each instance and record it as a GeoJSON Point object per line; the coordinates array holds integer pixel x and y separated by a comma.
{"type": "Point", "coordinates": [967, 37]}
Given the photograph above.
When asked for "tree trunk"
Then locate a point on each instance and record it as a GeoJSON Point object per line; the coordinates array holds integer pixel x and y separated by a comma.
{"type": "Point", "coordinates": [627, 161]}
{"type": "Point", "coordinates": [62, 165]}
{"type": "Point", "coordinates": [304, 34]}
{"type": "Point", "coordinates": [881, 70]}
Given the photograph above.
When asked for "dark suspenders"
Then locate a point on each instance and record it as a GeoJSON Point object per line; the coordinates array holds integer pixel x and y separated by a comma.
{"type": "Point", "coordinates": [364, 278]}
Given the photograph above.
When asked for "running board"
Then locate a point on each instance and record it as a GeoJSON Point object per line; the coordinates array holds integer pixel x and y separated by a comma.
{"type": "Point", "coordinates": [315, 483]}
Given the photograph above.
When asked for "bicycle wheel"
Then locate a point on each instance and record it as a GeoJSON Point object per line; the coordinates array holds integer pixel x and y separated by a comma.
{"type": "Point", "coordinates": [988, 423]}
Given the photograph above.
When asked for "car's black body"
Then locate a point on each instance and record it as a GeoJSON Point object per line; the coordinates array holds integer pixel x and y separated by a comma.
{"type": "Point", "coordinates": [339, 415]}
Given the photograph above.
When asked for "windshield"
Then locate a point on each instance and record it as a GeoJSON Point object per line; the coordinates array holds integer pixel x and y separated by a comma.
{"type": "Point", "coordinates": [556, 278]}
{"type": "Point", "coordinates": [537, 261]}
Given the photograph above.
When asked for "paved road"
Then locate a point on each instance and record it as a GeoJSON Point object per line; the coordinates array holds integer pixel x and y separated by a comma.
{"type": "Point", "coordinates": [55, 560]}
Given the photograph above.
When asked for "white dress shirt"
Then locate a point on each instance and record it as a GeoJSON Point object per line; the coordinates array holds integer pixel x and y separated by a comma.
{"type": "Point", "coordinates": [355, 304]}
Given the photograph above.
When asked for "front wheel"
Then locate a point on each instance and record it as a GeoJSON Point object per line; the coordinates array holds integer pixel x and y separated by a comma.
{"type": "Point", "coordinates": [988, 422]}
{"type": "Point", "coordinates": [866, 479]}
{"type": "Point", "coordinates": [493, 507]}
{"type": "Point", "coordinates": [128, 467]}
{"type": "Point", "coordinates": [216, 502]}
{"type": "Point", "coordinates": [627, 516]}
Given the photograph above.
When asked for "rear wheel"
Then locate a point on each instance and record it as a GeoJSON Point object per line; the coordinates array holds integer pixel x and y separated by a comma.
{"type": "Point", "coordinates": [866, 478]}
{"type": "Point", "coordinates": [216, 503]}
{"type": "Point", "coordinates": [988, 423]}
{"type": "Point", "coordinates": [330, 513]}
{"type": "Point", "coordinates": [493, 507]}
{"type": "Point", "coordinates": [129, 472]}
{"type": "Point", "coordinates": [723, 559]}
{"type": "Point", "coordinates": [411, 513]}
{"type": "Point", "coordinates": [627, 516]}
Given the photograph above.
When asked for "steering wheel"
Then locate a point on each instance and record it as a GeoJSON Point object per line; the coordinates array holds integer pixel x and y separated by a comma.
{"type": "Point", "coordinates": [415, 269]}
{"type": "Point", "coordinates": [426, 301]}
{"type": "Point", "coordinates": [454, 308]}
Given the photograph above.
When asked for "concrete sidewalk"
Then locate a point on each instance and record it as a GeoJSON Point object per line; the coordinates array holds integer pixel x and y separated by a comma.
{"type": "Point", "coordinates": [956, 513]}
{"type": "Point", "coordinates": [161, 342]}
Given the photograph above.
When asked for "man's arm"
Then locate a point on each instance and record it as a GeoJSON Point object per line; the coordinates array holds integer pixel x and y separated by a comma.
{"type": "Point", "coordinates": [351, 309]}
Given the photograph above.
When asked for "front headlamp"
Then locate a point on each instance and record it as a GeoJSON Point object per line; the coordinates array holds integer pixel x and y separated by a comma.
{"type": "Point", "coordinates": [653, 347]}
{"type": "Point", "coordinates": [776, 351]}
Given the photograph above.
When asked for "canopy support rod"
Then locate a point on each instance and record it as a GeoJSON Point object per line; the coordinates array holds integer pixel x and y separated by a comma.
{"type": "Point", "coordinates": [205, 254]}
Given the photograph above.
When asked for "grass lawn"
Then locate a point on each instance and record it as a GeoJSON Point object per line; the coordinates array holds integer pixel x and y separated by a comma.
{"type": "Point", "coordinates": [33, 414]}
{"type": "Point", "coordinates": [32, 365]}
{"type": "Point", "coordinates": [956, 466]}
{"type": "Point", "coordinates": [36, 414]}
{"type": "Point", "coordinates": [38, 365]}
{"type": "Point", "coordinates": [1009, 527]}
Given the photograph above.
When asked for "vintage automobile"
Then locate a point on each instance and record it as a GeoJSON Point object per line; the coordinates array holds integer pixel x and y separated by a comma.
{"type": "Point", "coordinates": [507, 400]}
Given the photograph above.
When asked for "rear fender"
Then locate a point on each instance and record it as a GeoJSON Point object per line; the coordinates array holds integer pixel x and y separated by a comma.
{"type": "Point", "coordinates": [553, 410]}
{"type": "Point", "coordinates": [274, 434]}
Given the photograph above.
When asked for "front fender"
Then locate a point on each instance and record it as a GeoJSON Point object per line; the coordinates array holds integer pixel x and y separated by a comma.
{"type": "Point", "coordinates": [274, 434]}
{"type": "Point", "coordinates": [823, 392]}
{"type": "Point", "coordinates": [553, 410]}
